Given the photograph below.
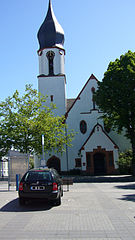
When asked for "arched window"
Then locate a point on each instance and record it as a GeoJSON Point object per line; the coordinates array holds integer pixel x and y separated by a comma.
{"type": "Point", "coordinates": [83, 127]}
{"type": "Point", "coordinates": [50, 55]}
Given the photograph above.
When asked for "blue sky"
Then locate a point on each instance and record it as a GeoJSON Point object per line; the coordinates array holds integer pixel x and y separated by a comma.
{"type": "Point", "coordinates": [96, 32]}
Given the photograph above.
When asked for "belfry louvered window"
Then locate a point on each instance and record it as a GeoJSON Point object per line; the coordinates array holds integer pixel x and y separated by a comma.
{"type": "Point", "coordinates": [50, 55]}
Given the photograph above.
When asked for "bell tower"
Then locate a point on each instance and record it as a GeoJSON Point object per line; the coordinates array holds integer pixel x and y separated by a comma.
{"type": "Point", "coordinates": [51, 79]}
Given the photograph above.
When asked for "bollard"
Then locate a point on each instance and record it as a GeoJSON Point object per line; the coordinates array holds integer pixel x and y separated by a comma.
{"type": "Point", "coordinates": [17, 181]}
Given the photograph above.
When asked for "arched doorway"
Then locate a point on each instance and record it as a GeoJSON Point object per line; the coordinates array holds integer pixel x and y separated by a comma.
{"type": "Point", "coordinates": [54, 162]}
{"type": "Point", "coordinates": [99, 164]}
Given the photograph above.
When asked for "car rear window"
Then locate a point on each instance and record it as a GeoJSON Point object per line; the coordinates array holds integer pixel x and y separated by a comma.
{"type": "Point", "coordinates": [38, 176]}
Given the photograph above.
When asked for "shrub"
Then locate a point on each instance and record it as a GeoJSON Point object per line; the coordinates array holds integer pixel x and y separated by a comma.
{"type": "Point", "coordinates": [124, 162]}
{"type": "Point", "coordinates": [31, 162]}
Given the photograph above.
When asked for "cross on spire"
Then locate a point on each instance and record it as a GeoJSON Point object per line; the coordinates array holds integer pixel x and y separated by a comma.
{"type": "Point", "coordinates": [50, 2]}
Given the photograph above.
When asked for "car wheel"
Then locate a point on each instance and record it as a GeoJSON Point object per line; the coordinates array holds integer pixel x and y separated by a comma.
{"type": "Point", "coordinates": [61, 192]}
{"type": "Point", "coordinates": [58, 201]}
{"type": "Point", "coordinates": [21, 201]}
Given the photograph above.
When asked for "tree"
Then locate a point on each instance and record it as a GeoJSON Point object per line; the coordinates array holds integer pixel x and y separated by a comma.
{"type": "Point", "coordinates": [23, 119]}
{"type": "Point", "coordinates": [31, 162]}
{"type": "Point", "coordinates": [124, 162]}
{"type": "Point", "coordinates": [116, 97]}
{"type": "Point", "coordinates": [4, 143]}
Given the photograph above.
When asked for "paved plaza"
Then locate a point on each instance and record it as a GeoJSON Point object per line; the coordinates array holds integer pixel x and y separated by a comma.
{"type": "Point", "coordinates": [94, 211]}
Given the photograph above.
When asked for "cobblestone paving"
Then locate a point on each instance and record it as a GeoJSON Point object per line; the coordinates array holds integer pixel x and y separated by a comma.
{"type": "Point", "coordinates": [94, 211]}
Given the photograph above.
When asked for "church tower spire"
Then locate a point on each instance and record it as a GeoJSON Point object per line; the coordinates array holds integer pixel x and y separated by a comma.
{"type": "Point", "coordinates": [51, 79]}
{"type": "Point", "coordinates": [50, 33]}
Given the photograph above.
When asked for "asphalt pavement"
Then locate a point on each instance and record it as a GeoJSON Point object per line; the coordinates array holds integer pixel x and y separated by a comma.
{"type": "Point", "coordinates": [94, 211]}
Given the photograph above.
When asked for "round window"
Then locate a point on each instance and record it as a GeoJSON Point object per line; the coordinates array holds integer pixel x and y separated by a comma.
{"type": "Point", "coordinates": [83, 127]}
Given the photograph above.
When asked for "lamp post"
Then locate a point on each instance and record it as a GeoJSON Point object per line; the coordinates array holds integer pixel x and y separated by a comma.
{"type": "Point", "coordinates": [42, 163]}
{"type": "Point", "coordinates": [2, 169]}
{"type": "Point", "coordinates": [67, 160]}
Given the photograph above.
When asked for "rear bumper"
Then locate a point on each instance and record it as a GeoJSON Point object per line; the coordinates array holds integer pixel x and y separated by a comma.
{"type": "Point", "coordinates": [33, 195]}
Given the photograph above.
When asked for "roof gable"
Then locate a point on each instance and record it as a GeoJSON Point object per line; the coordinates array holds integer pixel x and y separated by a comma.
{"type": "Point", "coordinates": [92, 77]}
{"type": "Point", "coordinates": [93, 131]}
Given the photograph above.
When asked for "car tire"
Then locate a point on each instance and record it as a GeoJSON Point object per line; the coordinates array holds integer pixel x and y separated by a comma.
{"type": "Point", "coordinates": [21, 201]}
{"type": "Point", "coordinates": [62, 193]}
{"type": "Point", "coordinates": [58, 201]}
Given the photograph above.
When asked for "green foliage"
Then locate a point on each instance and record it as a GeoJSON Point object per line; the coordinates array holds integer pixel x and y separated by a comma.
{"type": "Point", "coordinates": [4, 142]}
{"type": "Point", "coordinates": [116, 97]}
{"type": "Point", "coordinates": [125, 162]}
{"type": "Point", "coordinates": [23, 119]}
{"type": "Point", "coordinates": [116, 93]}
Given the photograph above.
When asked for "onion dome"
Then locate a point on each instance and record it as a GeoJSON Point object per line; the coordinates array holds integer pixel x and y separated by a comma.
{"type": "Point", "coordinates": [50, 33]}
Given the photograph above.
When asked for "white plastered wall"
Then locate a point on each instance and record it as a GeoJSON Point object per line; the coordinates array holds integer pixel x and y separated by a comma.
{"type": "Point", "coordinates": [123, 143]}
{"type": "Point", "coordinates": [82, 110]}
{"type": "Point", "coordinates": [54, 86]}
{"type": "Point", "coordinates": [62, 156]}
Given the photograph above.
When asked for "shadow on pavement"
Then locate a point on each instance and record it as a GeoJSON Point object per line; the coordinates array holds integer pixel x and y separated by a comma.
{"type": "Point", "coordinates": [103, 179]}
{"type": "Point", "coordinates": [130, 197]}
{"type": "Point", "coordinates": [127, 197]}
{"type": "Point", "coordinates": [4, 191]}
{"type": "Point", "coordinates": [14, 206]}
{"type": "Point", "coordinates": [127, 187]}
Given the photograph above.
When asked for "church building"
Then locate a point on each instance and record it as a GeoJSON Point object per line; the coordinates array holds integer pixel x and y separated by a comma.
{"type": "Point", "coordinates": [94, 151]}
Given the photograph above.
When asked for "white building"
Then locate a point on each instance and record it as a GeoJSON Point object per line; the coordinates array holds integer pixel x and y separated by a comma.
{"type": "Point", "coordinates": [93, 151]}
{"type": "Point", "coordinates": [4, 167]}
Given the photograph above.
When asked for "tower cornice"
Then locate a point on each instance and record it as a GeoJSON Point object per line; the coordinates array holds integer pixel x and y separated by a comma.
{"type": "Point", "coordinates": [60, 48]}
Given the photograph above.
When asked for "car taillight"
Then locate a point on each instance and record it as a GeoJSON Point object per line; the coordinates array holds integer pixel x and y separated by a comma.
{"type": "Point", "coordinates": [21, 186]}
{"type": "Point", "coordinates": [55, 186]}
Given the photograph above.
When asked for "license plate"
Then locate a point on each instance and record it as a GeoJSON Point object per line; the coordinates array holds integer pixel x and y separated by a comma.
{"type": "Point", "coordinates": [38, 188]}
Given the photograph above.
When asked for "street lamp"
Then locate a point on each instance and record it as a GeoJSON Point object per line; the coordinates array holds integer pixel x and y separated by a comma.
{"type": "Point", "coordinates": [42, 162]}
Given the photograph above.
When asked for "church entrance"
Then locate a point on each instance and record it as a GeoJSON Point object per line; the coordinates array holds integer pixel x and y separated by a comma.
{"type": "Point", "coordinates": [54, 162]}
{"type": "Point", "coordinates": [99, 164]}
